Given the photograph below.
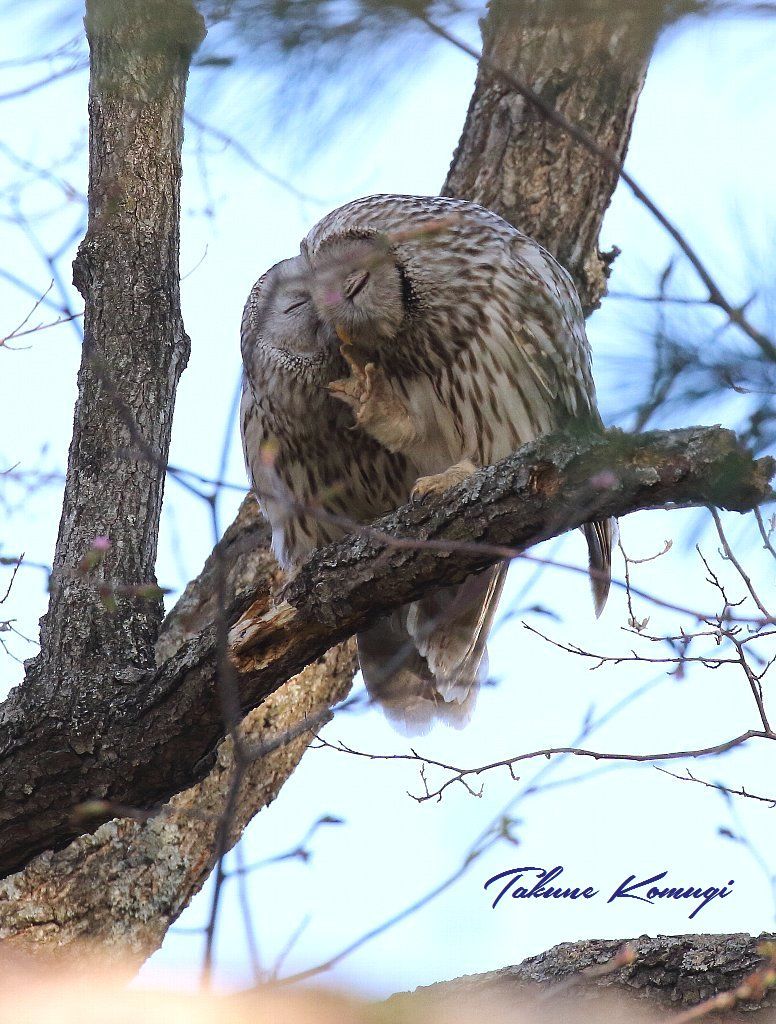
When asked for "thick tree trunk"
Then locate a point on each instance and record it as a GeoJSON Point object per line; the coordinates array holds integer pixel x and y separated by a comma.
{"type": "Point", "coordinates": [591, 69]}
{"type": "Point", "coordinates": [134, 351]}
{"type": "Point", "coordinates": [104, 613]}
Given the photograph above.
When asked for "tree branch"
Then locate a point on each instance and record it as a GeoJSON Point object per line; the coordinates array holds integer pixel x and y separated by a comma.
{"type": "Point", "coordinates": [665, 972]}
{"type": "Point", "coordinates": [142, 743]}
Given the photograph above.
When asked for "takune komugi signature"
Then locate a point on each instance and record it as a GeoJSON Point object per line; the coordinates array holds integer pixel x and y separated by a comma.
{"type": "Point", "coordinates": [533, 882]}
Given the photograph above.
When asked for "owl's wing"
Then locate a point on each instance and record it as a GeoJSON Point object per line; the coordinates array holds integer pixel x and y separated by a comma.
{"type": "Point", "coordinates": [548, 329]}
{"type": "Point", "coordinates": [551, 336]}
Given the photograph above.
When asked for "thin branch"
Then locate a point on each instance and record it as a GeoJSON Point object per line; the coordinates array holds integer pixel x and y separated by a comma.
{"type": "Point", "coordinates": [689, 777]}
{"type": "Point", "coordinates": [732, 558]}
{"type": "Point", "coordinates": [222, 843]}
{"type": "Point", "coordinates": [41, 83]}
{"type": "Point", "coordinates": [42, 174]}
{"type": "Point", "coordinates": [765, 534]}
{"type": "Point", "coordinates": [709, 661]}
{"type": "Point", "coordinates": [31, 290]}
{"type": "Point", "coordinates": [64, 50]}
{"type": "Point", "coordinates": [681, 300]}
{"type": "Point", "coordinates": [384, 926]}
{"type": "Point", "coordinates": [247, 157]}
{"type": "Point", "coordinates": [16, 563]}
{"type": "Point", "coordinates": [755, 682]}
{"type": "Point", "coordinates": [22, 562]}
{"type": "Point", "coordinates": [459, 775]}
{"type": "Point", "coordinates": [65, 318]}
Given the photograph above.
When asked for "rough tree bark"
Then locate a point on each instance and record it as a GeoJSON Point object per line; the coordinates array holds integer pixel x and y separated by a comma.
{"type": "Point", "coordinates": [591, 69]}
{"type": "Point", "coordinates": [667, 972]}
{"type": "Point", "coordinates": [122, 887]}
{"type": "Point", "coordinates": [131, 879]}
{"type": "Point", "coordinates": [134, 351]}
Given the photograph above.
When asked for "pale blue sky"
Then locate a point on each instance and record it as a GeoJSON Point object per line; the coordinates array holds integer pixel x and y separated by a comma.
{"type": "Point", "coordinates": [703, 146]}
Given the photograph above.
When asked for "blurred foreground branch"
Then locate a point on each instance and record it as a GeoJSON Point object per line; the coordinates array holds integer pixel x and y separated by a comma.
{"type": "Point", "coordinates": [589, 982]}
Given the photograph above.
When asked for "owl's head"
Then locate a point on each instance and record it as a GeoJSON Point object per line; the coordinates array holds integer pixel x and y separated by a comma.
{"type": "Point", "coordinates": [280, 322]}
{"type": "Point", "coordinates": [358, 285]}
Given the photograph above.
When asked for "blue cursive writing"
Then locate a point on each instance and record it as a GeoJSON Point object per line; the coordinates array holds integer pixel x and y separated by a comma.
{"type": "Point", "coordinates": [533, 882]}
{"type": "Point", "coordinates": [540, 889]}
{"type": "Point", "coordinates": [627, 890]}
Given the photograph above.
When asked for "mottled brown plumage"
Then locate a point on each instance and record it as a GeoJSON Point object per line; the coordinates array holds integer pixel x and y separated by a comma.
{"type": "Point", "coordinates": [411, 341]}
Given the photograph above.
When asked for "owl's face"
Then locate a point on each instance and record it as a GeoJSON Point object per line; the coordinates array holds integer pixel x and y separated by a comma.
{"type": "Point", "coordinates": [357, 285]}
{"type": "Point", "coordinates": [282, 313]}
{"type": "Point", "coordinates": [283, 327]}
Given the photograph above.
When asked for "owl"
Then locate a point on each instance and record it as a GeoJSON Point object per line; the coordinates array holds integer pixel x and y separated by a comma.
{"type": "Point", "coordinates": [411, 341]}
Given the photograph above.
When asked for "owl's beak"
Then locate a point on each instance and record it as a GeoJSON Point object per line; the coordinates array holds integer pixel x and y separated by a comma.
{"type": "Point", "coordinates": [343, 335]}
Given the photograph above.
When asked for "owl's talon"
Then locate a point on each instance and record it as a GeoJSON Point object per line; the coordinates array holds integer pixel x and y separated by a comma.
{"type": "Point", "coordinates": [374, 379]}
{"type": "Point", "coordinates": [357, 390]}
{"type": "Point", "coordinates": [347, 390]}
{"type": "Point", "coordinates": [375, 406]}
{"type": "Point", "coordinates": [438, 483]}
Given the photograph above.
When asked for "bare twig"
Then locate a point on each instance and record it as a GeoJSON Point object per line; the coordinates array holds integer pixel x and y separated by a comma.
{"type": "Point", "coordinates": [248, 158]}
{"type": "Point", "coordinates": [65, 318]}
{"type": "Point", "coordinates": [54, 76]}
{"type": "Point", "coordinates": [459, 775]}
{"type": "Point", "coordinates": [618, 659]}
{"type": "Point", "coordinates": [765, 534]}
{"type": "Point", "coordinates": [742, 791]}
{"type": "Point", "coordinates": [732, 558]}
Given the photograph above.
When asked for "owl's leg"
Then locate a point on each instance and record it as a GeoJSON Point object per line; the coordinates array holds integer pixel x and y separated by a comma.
{"type": "Point", "coordinates": [440, 482]}
{"type": "Point", "coordinates": [377, 408]}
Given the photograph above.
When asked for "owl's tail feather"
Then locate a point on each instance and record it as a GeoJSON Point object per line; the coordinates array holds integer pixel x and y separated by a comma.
{"type": "Point", "coordinates": [600, 539]}
{"type": "Point", "coordinates": [425, 661]}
